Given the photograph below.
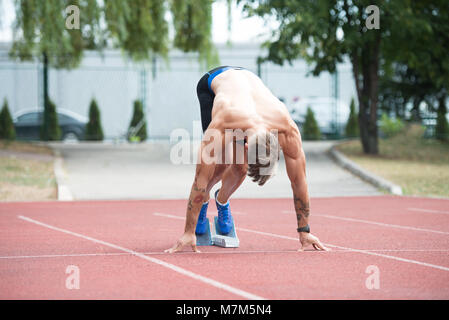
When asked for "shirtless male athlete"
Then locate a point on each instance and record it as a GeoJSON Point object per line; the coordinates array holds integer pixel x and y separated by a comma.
{"type": "Point", "coordinates": [233, 98]}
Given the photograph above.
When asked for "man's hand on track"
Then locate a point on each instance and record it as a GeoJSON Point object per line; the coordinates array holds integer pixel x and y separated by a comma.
{"type": "Point", "coordinates": [186, 239]}
{"type": "Point", "coordinates": [308, 239]}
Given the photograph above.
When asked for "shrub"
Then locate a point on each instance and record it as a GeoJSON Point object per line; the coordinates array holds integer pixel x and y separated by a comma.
{"type": "Point", "coordinates": [352, 126]}
{"type": "Point", "coordinates": [50, 130]}
{"type": "Point", "coordinates": [138, 116]}
{"type": "Point", "coordinates": [442, 127]}
{"type": "Point", "coordinates": [390, 126]}
{"type": "Point", "coordinates": [310, 128]}
{"type": "Point", "coordinates": [94, 131]}
{"type": "Point", "coordinates": [7, 130]}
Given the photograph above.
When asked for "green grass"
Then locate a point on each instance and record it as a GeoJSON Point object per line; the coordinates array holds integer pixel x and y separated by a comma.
{"type": "Point", "coordinates": [26, 172]}
{"type": "Point", "coordinates": [24, 178]}
{"type": "Point", "coordinates": [420, 166]}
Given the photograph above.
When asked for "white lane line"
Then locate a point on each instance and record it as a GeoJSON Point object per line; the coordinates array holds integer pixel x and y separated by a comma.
{"type": "Point", "coordinates": [167, 265]}
{"type": "Point", "coordinates": [168, 215]}
{"type": "Point", "coordinates": [214, 213]}
{"type": "Point", "coordinates": [373, 222]}
{"type": "Point", "coordinates": [224, 251]}
{"type": "Point", "coordinates": [148, 253]}
{"type": "Point", "coordinates": [381, 224]}
{"type": "Point", "coordinates": [75, 255]}
{"type": "Point", "coordinates": [425, 264]}
{"type": "Point", "coordinates": [428, 210]}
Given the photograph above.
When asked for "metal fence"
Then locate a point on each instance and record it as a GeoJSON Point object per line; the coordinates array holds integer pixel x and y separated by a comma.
{"type": "Point", "coordinates": [166, 88]}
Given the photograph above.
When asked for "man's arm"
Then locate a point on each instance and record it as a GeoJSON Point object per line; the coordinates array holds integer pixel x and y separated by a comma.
{"type": "Point", "coordinates": [208, 155]}
{"type": "Point", "coordinates": [197, 196]}
{"type": "Point", "coordinates": [295, 162]}
{"type": "Point", "coordinates": [297, 175]}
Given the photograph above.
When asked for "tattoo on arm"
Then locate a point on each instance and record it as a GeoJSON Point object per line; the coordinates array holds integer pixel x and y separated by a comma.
{"type": "Point", "coordinates": [195, 188]}
{"type": "Point", "coordinates": [195, 185]}
{"type": "Point", "coordinates": [302, 209]}
{"type": "Point", "coordinates": [189, 205]}
{"type": "Point", "coordinates": [196, 198]}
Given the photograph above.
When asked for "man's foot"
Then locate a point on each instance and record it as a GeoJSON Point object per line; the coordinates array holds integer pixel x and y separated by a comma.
{"type": "Point", "coordinates": [224, 216]}
{"type": "Point", "coordinates": [201, 225]}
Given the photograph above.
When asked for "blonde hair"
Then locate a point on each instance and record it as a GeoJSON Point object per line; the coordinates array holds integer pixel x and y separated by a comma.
{"type": "Point", "coordinates": [263, 156]}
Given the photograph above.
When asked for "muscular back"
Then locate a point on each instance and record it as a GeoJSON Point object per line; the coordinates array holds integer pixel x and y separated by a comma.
{"type": "Point", "coordinates": [242, 101]}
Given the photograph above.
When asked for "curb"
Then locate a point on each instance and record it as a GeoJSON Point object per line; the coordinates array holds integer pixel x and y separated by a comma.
{"type": "Point", "coordinates": [355, 169]}
{"type": "Point", "coordinates": [63, 191]}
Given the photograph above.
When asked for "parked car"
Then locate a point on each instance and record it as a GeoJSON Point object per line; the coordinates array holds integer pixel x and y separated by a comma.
{"type": "Point", "coordinates": [325, 113]}
{"type": "Point", "coordinates": [28, 123]}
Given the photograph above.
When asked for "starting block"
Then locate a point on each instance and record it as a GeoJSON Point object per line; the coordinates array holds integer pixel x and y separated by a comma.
{"type": "Point", "coordinates": [229, 240]}
{"type": "Point", "coordinates": [215, 237]}
{"type": "Point", "coordinates": [204, 239]}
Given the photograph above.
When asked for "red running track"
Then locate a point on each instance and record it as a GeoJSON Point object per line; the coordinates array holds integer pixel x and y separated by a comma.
{"type": "Point", "coordinates": [117, 246]}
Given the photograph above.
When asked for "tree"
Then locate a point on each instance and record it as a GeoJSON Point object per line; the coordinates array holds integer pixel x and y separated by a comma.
{"type": "Point", "coordinates": [138, 126]}
{"type": "Point", "coordinates": [402, 87]}
{"type": "Point", "coordinates": [191, 21]}
{"type": "Point", "coordinates": [7, 130]}
{"type": "Point", "coordinates": [326, 32]}
{"type": "Point", "coordinates": [352, 126]}
{"type": "Point", "coordinates": [40, 32]}
{"type": "Point", "coordinates": [94, 130]}
{"type": "Point", "coordinates": [420, 72]}
{"type": "Point", "coordinates": [50, 130]}
{"type": "Point", "coordinates": [310, 129]}
{"type": "Point", "coordinates": [138, 27]}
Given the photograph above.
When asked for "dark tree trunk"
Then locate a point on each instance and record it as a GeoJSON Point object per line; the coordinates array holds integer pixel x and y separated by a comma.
{"type": "Point", "coordinates": [363, 127]}
{"type": "Point", "coordinates": [374, 94]}
{"type": "Point", "coordinates": [442, 126]}
{"type": "Point", "coordinates": [43, 130]}
{"type": "Point", "coordinates": [45, 71]}
{"type": "Point", "coordinates": [442, 104]}
{"type": "Point", "coordinates": [415, 115]}
{"type": "Point", "coordinates": [365, 64]}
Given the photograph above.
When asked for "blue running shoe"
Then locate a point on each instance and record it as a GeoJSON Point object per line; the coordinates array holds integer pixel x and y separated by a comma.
{"type": "Point", "coordinates": [201, 225]}
{"type": "Point", "coordinates": [224, 216]}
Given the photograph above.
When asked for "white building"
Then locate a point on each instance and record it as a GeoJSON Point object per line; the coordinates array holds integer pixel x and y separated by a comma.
{"type": "Point", "coordinates": [169, 90]}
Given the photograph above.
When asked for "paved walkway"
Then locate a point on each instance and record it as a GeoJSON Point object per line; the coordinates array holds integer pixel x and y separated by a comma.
{"type": "Point", "coordinates": [144, 171]}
